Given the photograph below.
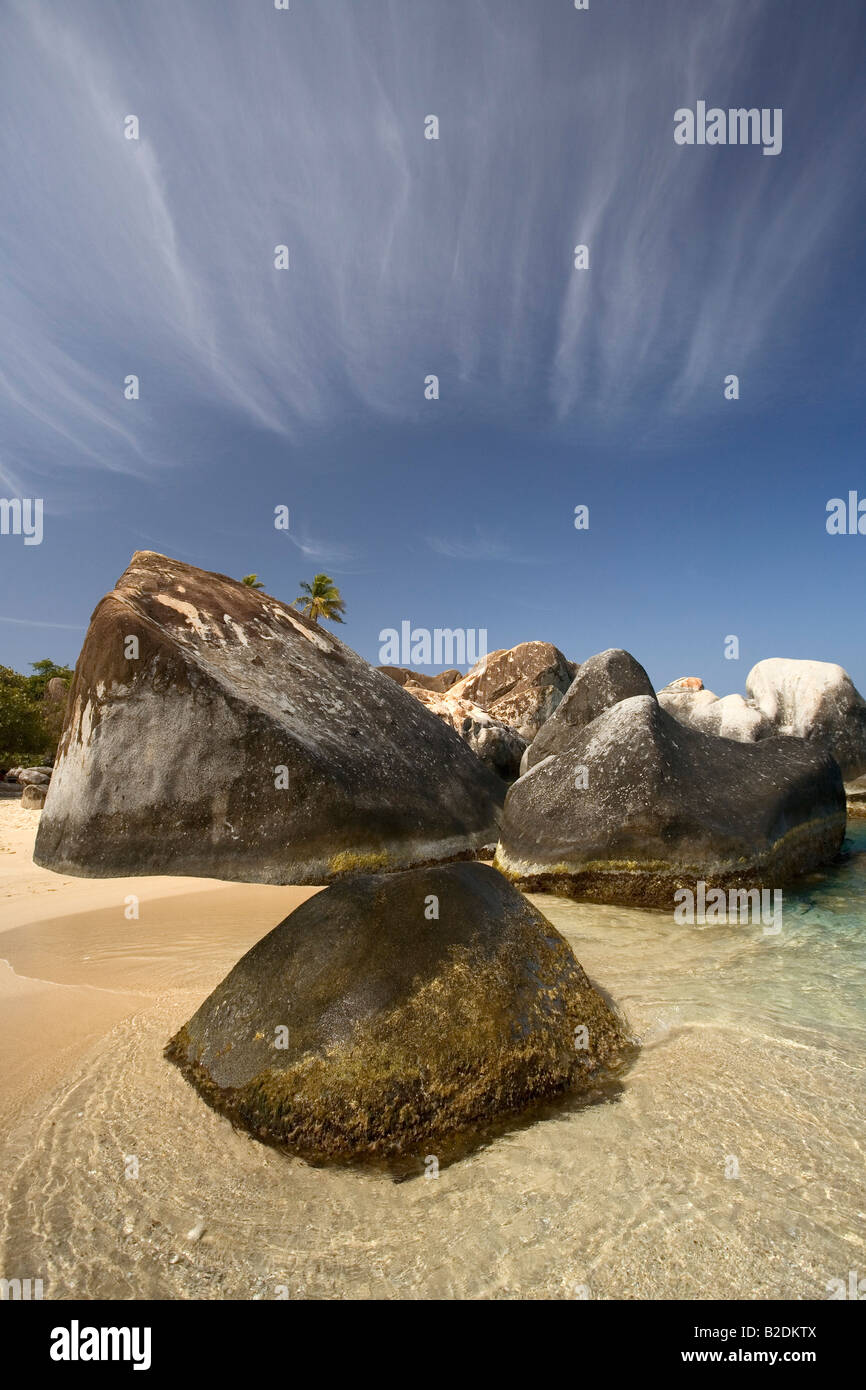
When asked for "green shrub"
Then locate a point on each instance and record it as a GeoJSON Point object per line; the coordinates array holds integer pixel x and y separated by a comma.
{"type": "Point", "coordinates": [30, 725]}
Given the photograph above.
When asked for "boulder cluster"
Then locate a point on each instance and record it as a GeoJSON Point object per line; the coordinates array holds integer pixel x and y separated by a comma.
{"type": "Point", "coordinates": [812, 700]}
{"type": "Point", "coordinates": [34, 781]}
{"type": "Point", "coordinates": [499, 707]}
{"type": "Point", "coordinates": [622, 802]}
{"type": "Point", "coordinates": [212, 730]}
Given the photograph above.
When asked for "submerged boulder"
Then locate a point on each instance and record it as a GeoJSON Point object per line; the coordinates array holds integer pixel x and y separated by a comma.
{"type": "Point", "coordinates": [521, 686]}
{"type": "Point", "coordinates": [388, 1014]}
{"type": "Point", "coordinates": [815, 700]}
{"type": "Point", "coordinates": [602, 681]}
{"type": "Point", "coordinates": [214, 731]}
{"type": "Point", "coordinates": [636, 805]}
{"type": "Point", "coordinates": [499, 747]}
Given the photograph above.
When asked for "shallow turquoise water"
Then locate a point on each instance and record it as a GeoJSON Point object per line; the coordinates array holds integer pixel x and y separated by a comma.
{"type": "Point", "coordinates": [812, 974]}
{"type": "Point", "coordinates": [730, 1162]}
{"type": "Point", "coordinates": [819, 972]}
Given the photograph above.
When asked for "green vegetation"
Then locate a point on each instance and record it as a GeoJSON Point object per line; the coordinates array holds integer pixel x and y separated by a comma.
{"type": "Point", "coordinates": [252, 581]}
{"type": "Point", "coordinates": [321, 599]}
{"type": "Point", "coordinates": [349, 862]}
{"type": "Point", "coordinates": [30, 722]}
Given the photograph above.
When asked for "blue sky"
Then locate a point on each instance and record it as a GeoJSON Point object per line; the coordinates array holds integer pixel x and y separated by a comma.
{"type": "Point", "coordinates": [453, 257]}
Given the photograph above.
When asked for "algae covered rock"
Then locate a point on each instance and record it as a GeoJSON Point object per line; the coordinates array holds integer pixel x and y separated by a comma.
{"type": "Point", "coordinates": [212, 730]}
{"type": "Point", "coordinates": [390, 1013]}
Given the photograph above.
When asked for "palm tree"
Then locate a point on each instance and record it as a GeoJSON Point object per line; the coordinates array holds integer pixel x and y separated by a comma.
{"type": "Point", "coordinates": [321, 599]}
{"type": "Point", "coordinates": [252, 581]}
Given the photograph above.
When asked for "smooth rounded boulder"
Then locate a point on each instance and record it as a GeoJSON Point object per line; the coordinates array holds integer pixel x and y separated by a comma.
{"type": "Point", "coordinates": [35, 776]}
{"type": "Point", "coordinates": [213, 731]}
{"type": "Point", "coordinates": [727, 717]}
{"type": "Point", "coordinates": [815, 700]}
{"type": "Point", "coordinates": [636, 805]}
{"type": "Point", "coordinates": [389, 1014]}
{"type": "Point", "coordinates": [602, 681]}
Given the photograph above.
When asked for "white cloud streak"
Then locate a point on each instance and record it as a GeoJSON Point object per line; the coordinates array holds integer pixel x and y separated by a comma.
{"type": "Point", "coordinates": [408, 256]}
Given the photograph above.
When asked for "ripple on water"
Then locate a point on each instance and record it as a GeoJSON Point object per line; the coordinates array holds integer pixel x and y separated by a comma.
{"type": "Point", "coordinates": [728, 1162]}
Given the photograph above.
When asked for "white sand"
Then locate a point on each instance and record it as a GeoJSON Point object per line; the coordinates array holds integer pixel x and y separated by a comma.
{"type": "Point", "coordinates": [72, 964]}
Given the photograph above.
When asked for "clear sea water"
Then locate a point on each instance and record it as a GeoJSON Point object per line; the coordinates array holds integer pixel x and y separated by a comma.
{"type": "Point", "coordinates": [728, 1162]}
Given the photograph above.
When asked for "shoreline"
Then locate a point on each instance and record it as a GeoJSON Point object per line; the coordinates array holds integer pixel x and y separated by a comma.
{"type": "Point", "coordinates": [50, 988]}
{"type": "Point", "coordinates": [628, 1198]}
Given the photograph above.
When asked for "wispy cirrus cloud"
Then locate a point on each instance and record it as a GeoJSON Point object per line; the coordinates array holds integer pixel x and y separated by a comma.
{"type": "Point", "coordinates": [480, 544]}
{"type": "Point", "coordinates": [33, 622]}
{"type": "Point", "coordinates": [407, 256]}
{"type": "Point", "coordinates": [323, 550]}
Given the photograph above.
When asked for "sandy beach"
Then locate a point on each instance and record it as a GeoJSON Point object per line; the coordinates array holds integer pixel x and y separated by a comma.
{"type": "Point", "coordinates": [74, 965]}
{"type": "Point", "coordinates": [118, 1182]}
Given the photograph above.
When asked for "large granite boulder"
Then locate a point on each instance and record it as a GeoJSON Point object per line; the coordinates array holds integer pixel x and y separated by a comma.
{"type": "Point", "coordinates": [855, 793]}
{"type": "Point", "coordinates": [35, 776]}
{"type": "Point", "coordinates": [391, 1013]}
{"type": "Point", "coordinates": [403, 675]}
{"type": "Point", "coordinates": [214, 731]}
{"type": "Point", "coordinates": [497, 745]}
{"type": "Point", "coordinates": [636, 805]}
{"type": "Point", "coordinates": [520, 686]}
{"type": "Point", "coordinates": [815, 700]}
{"type": "Point", "coordinates": [728, 717]}
{"type": "Point", "coordinates": [602, 681]}
{"type": "Point", "coordinates": [33, 797]}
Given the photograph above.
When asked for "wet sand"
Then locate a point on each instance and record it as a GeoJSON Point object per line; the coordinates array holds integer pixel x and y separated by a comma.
{"type": "Point", "coordinates": [118, 1182]}
{"type": "Point", "coordinates": [72, 964]}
